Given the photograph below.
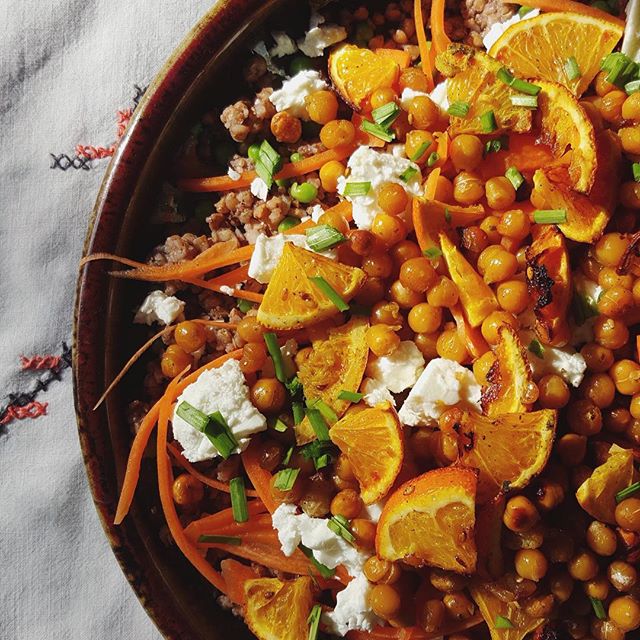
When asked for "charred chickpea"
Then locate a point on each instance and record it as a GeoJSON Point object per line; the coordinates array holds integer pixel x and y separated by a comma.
{"type": "Point", "coordinates": [190, 335]}
{"type": "Point", "coordinates": [392, 198]}
{"type": "Point", "coordinates": [382, 339]}
{"type": "Point", "coordinates": [584, 417]}
{"type": "Point", "coordinates": [622, 575]}
{"type": "Point", "coordinates": [419, 142]}
{"type": "Point", "coordinates": [423, 113]}
{"type": "Point", "coordinates": [385, 601]}
{"type": "Point", "coordinates": [268, 395]}
{"type": "Point", "coordinates": [466, 152]}
{"type": "Point", "coordinates": [500, 194]}
{"type": "Point", "coordinates": [388, 229]}
{"type": "Point", "coordinates": [601, 539]}
{"type": "Point", "coordinates": [250, 330]}
{"type": "Point", "coordinates": [626, 377]}
{"type": "Point", "coordinates": [271, 455]}
{"type": "Point", "coordinates": [597, 357]}
{"type": "Point", "coordinates": [418, 274]}
{"type": "Point", "coordinates": [286, 128]}
{"type": "Point", "coordinates": [600, 389]}
{"type": "Point", "coordinates": [520, 514]}
{"type": "Point", "coordinates": [346, 503]}
{"type": "Point", "coordinates": [329, 174]}
{"type": "Point", "coordinates": [174, 361]}
{"type": "Point", "coordinates": [423, 318]}
{"type": "Point", "coordinates": [553, 392]}
{"type": "Point", "coordinates": [322, 106]}
{"type": "Point", "coordinates": [467, 188]}
{"type": "Point", "coordinates": [617, 420]}
{"type": "Point", "coordinates": [187, 491]}
{"type": "Point", "coordinates": [362, 242]}
{"type": "Point", "coordinates": [336, 133]}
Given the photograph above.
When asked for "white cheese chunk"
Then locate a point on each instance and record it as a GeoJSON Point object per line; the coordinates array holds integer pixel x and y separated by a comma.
{"type": "Point", "coordinates": [328, 548]}
{"type": "Point", "coordinates": [497, 29]}
{"type": "Point", "coordinates": [400, 370]}
{"type": "Point", "coordinates": [563, 361]}
{"type": "Point", "coordinates": [259, 189]}
{"type": "Point", "coordinates": [440, 95]}
{"type": "Point", "coordinates": [285, 45]}
{"type": "Point", "coordinates": [631, 39]}
{"type": "Point", "coordinates": [373, 511]}
{"type": "Point", "coordinates": [228, 291]}
{"type": "Point", "coordinates": [378, 168]}
{"type": "Point", "coordinates": [319, 38]}
{"type": "Point", "coordinates": [233, 174]}
{"type": "Point", "coordinates": [267, 252]}
{"type": "Point", "coordinates": [376, 392]}
{"type": "Point", "coordinates": [408, 95]}
{"type": "Point", "coordinates": [352, 609]}
{"type": "Point", "coordinates": [159, 307]}
{"type": "Point", "coordinates": [443, 383]}
{"type": "Point", "coordinates": [223, 389]}
{"type": "Point", "coordinates": [291, 96]}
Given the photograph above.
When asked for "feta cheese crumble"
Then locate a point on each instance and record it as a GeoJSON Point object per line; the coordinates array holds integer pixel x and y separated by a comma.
{"type": "Point", "coordinates": [631, 38]}
{"type": "Point", "coordinates": [497, 29]}
{"type": "Point", "coordinates": [378, 168]}
{"type": "Point", "coordinates": [233, 174]}
{"type": "Point", "coordinates": [376, 392]}
{"type": "Point", "coordinates": [223, 389]}
{"type": "Point", "coordinates": [159, 307]}
{"type": "Point", "coordinates": [440, 96]}
{"type": "Point", "coordinates": [443, 383]}
{"type": "Point", "coordinates": [285, 45]}
{"type": "Point", "coordinates": [259, 189]}
{"type": "Point", "coordinates": [400, 370]}
{"type": "Point", "coordinates": [319, 38]}
{"type": "Point", "coordinates": [352, 609]}
{"type": "Point", "coordinates": [563, 361]}
{"type": "Point", "coordinates": [228, 291]}
{"type": "Point", "coordinates": [291, 96]}
{"type": "Point", "coordinates": [316, 212]}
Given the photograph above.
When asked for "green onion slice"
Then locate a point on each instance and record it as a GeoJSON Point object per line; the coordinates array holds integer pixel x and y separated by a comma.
{"type": "Point", "coordinates": [350, 396]}
{"type": "Point", "coordinates": [322, 461]}
{"type": "Point", "coordinates": [220, 435]}
{"type": "Point", "coordinates": [377, 131]}
{"type": "Point", "coordinates": [271, 340]}
{"type": "Point", "coordinates": [488, 122]}
{"type": "Point", "coordinates": [323, 237]}
{"type": "Point", "coordinates": [550, 216]}
{"type": "Point", "coordinates": [632, 87]}
{"type": "Point", "coordinates": [234, 540]}
{"type": "Point", "coordinates": [357, 188]}
{"type": "Point", "coordinates": [323, 570]}
{"type": "Point", "coordinates": [341, 527]}
{"type": "Point", "coordinates": [528, 102]}
{"type": "Point", "coordinates": [193, 416]}
{"type": "Point", "coordinates": [327, 412]}
{"type": "Point", "coordinates": [406, 175]}
{"type": "Point", "coordinates": [515, 177]}
{"type": "Point", "coordinates": [433, 253]}
{"type": "Point", "coordinates": [459, 109]}
{"type": "Point", "coordinates": [523, 10]}
{"type": "Point", "coordinates": [268, 163]}
{"type": "Point", "coordinates": [503, 623]}
{"type": "Point", "coordinates": [598, 608]}
{"type": "Point", "coordinates": [279, 425]}
{"type": "Point", "coordinates": [536, 348]}
{"type": "Point", "coordinates": [238, 500]}
{"type": "Point", "coordinates": [517, 84]}
{"type": "Point", "coordinates": [330, 292]}
{"type": "Point", "coordinates": [318, 424]}
{"type": "Point", "coordinates": [285, 479]}
{"type": "Point", "coordinates": [386, 114]}
{"type": "Point", "coordinates": [314, 622]}
{"type": "Point", "coordinates": [495, 145]}
{"type": "Point", "coordinates": [572, 69]}
{"type": "Point", "coordinates": [631, 490]}
{"type": "Point", "coordinates": [287, 456]}
{"type": "Point", "coordinates": [635, 169]}
{"type": "Point", "coordinates": [433, 158]}
{"type": "Point", "coordinates": [297, 409]}
{"type": "Point", "coordinates": [420, 151]}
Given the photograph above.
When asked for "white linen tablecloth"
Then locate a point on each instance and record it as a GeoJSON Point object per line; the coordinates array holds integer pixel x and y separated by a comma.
{"type": "Point", "coordinates": [66, 68]}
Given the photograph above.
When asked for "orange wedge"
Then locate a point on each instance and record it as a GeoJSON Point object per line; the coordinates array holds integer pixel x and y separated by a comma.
{"type": "Point", "coordinates": [567, 127]}
{"type": "Point", "coordinates": [508, 450]}
{"type": "Point", "coordinates": [292, 300]}
{"type": "Point", "coordinates": [372, 441]}
{"type": "Point", "coordinates": [335, 362]}
{"type": "Point", "coordinates": [277, 610]}
{"type": "Point", "coordinates": [473, 80]}
{"type": "Point", "coordinates": [587, 216]}
{"type": "Point", "coordinates": [430, 520]}
{"type": "Point", "coordinates": [356, 73]}
{"type": "Point", "coordinates": [540, 47]}
{"type": "Point", "coordinates": [491, 607]}
{"type": "Point", "coordinates": [509, 377]}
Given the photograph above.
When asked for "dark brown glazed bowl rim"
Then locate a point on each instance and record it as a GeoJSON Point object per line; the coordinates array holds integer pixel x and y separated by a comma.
{"type": "Point", "coordinates": [215, 32]}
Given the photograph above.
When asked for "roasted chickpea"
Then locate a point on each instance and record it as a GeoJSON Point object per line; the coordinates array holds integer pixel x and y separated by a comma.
{"type": "Point", "coordinates": [572, 449]}
{"type": "Point", "coordinates": [286, 128]}
{"type": "Point", "coordinates": [467, 188]}
{"type": "Point", "coordinates": [322, 106]}
{"type": "Point", "coordinates": [423, 113]}
{"type": "Point", "coordinates": [520, 514]}
{"type": "Point", "coordinates": [336, 133]}
{"type": "Point", "coordinates": [329, 174]}
{"type": "Point", "coordinates": [609, 277]}
{"type": "Point", "coordinates": [254, 357]}
{"type": "Point", "coordinates": [362, 242]}
{"type": "Point", "coordinates": [597, 588]}
{"type": "Point", "coordinates": [431, 615]}
{"type": "Point", "coordinates": [347, 503]}
{"type": "Point", "coordinates": [631, 107]}
{"type": "Point", "coordinates": [418, 274]}
{"type": "Point", "coordinates": [622, 575]}
{"type": "Point", "coordinates": [601, 539]}
{"type": "Point", "coordinates": [531, 564]}
{"type": "Point", "coordinates": [496, 265]}
{"type": "Point", "coordinates": [378, 265]}
{"type": "Point", "coordinates": [489, 225]}
{"type": "Point", "coordinates": [413, 78]}
{"type": "Point", "coordinates": [459, 606]}
{"type": "Point", "coordinates": [602, 85]}
{"type": "Point", "coordinates": [493, 322]}
{"type": "Point", "coordinates": [174, 361]}
{"type": "Point", "coordinates": [514, 224]}
{"type": "Point", "coordinates": [443, 293]}
{"type": "Point", "coordinates": [250, 330]}
{"type": "Point", "coordinates": [630, 194]}
{"type": "Point", "coordinates": [560, 584]}
{"type": "Point", "coordinates": [316, 498]}
{"type": "Point", "coordinates": [624, 612]}
{"type": "Point", "coordinates": [474, 240]}
{"type": "Point", "coordinates": [403, 251]}
{"type": "Point", "coordinates": [423, 318]}
{"type": "Point", "coordinates": [610, 332]}
{"type": "Point", "coordinates": [421, 142]}
{"type": "Point", "coordinates": [190, 335]}
{"type": "Point", "coordinates": [617, 420]}
{"type": "Point", "coordinates": [466, 152]}
{"type": "Point", "coordinates": [553, 392]}
{"type": "Point", "coordinates": [427, 343]}
{"type": "Point", "coordinates": [584, 417]}
{"type": "Point", "coordinates": [598, 358]}
{"type": "Point", "coordinates": [626, 377]}
{"type": "Point", "coordinates": [187, 491]}
{"type": "Point", "coordinates": [371, 292]}
{"type": "Point", "coordinates": [271, 455]}
{"type": "Point", "coordinates": [385, 312]}
{"type": "Point", "coordinates": [482, 365]}
{"type": "Point", "coordinates": [447, 581]}
{"type": "Point", "coordinates": [382, 96]}
{"type": "Point", "coordinates": [268, 395]}
{"type": "Point", "coordinates": [392, 198]}
{"type": "Point", "coordinates": [583, 566]}
{"type": "Point", "coordinates": [292, 495]}
{"type": "Point", "coordinates": [385, 601]}
{"type": "Point", "coordinates": [615, 302]}
{"type": "Point", "coordinates": [628, 514]}
{"type": "Point", "coordinates": [500, 194]}
{"type": "Point", "coordinates": [364, 532]}
{"type": "Point", "coordinates": [378, 570]}
{"type": "Point", "coordinates": [388, 229]}
{"type": "Point", "coordinates": [599, 388]}
{"type": "Point", "coordinates": [611, 106]}
{"type": "Point", "coordinates": [450, 346]}
{"type": "Point", "coordinates": [404, 296]}
{"type": "Point", "coordinates": [382, 339]}
{"type": "Point", "coordinates": [549, 494]}
{"type": "Point", "coordinates": [610, 249]}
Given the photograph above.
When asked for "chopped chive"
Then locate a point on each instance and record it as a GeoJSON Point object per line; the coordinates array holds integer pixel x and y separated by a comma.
{"type": "Point", "coordinates": [433, 253]}
{"type": "Point", "coordinates": [220, 435]}
{"type": "Point", "coordinates": [279, 426]}
{"type": "Point", "coordinates": [350, 396]}
{"type": "Point", "coordinates": [536, 348]}
{"type": "Point", "coordinates": [268, 162]}
{"type": "Point", "coordinates": [632, 87]}
{"type": "Point", "coordinates": [297, 409]}
{"type": "Point", "coordinates": [314, 622]}
{"type": "Point", "coordinates": [514, 176]}
{"type": "Point", "coordinates": [420, 151]}
{"type": "Point", "coordinates": [285, 479]}
{"type": "Point", "coordinates": [288, 223]}
{"type": "Point", "coordinates": [357, 188]}
{"type": "Point", "coordinates": [447, 215]}
{"type": "Point", "coordinates": [319, 451]}
{"type": "Point", "coordinates": [295, 157]}
{"type": "Point", "coordinates": [318, 424]}
{"type": "Point", "coordinates": [572, 69]}
{"type": "Point", "coordinates": [635, 169]}
{"type": "Point", "coordinates": [273, 348]}
{"type": "Point", "coordinates": [433, 158]}
{"type": "Point", "coordinates": [503, 623]}
{"type": "Point", "coordinates": [294, 386]}
{"type": "Point", "coordinates": [244, 305]}
{"type": "Point", "coordinates": [517, 84]}
{"type": "Point", "coordinates": [631, 490]}
{"type": "Point", "coordinates": [528, 102]}
{"type": "Point", "coordinates": [322, 461]}
{"type": "Point", "coordinates": [238, 500]}
{"type": "Point", "coordinates": [327, 412]}
{"type": "Point", "coordinates": [323, 237]}
{"type": "Point", "coordinates": [406, 175]}
{"type": "Point", "coordinates": [341, 527]}
{"type": "Point", "coordinates": [386, 114]}
{"type": "Point", "coordinates": [330, 292]}
{"type": "Point", "coordinates": [377, 131]}
{"type": "Point", "coordinates": [459, 109]}
{"type": "Point", "coordinates": [598, 608]}
{"type": "Point", "coordinates": [495, 145]}
{"type": "Point", "coordinates": [193, 416]}
{"type": "Point", "coordinates": [323, 570]}
{"type": "Point", "coordinates": [488, 122]}
{"type": "Point", "coordinates": [234, 540]}
{"type": "Point", "coordinates": [287, 456]}
{"type": "Point", "coordinates": [550, 216]}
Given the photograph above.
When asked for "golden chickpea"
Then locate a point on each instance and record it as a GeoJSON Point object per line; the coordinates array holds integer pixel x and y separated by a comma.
{"type": "Point", "coordinates": [382, 339]}
{"type": "Point", "coordinates": [385, 312]}
{"type": "Point", "coordinates": [553, 392]}
{"type": "Point", "coordinates": [560, 584]}
{"type": "Point", "coordinates": [467, 188]}
{"type": "Point", "coordinates": [174, 361]}
{"type": "Point", "coordinates": [572, 449]}
{"type": "Point", "coordinates": [443, 293]}
{"type": "Point", "coordinates": [250, 330]}
{"type": "Point", "coordinates": [610, 249]}
{"type": "Point", "coordinates": [431, 615]}
{"type": "Point", "coordinates": [630, 138]}
{"type": "Point", "coordinates": [423, 318]}
{"type": "Point", "coordinates": [531, 564]}
{"type": "Point", "coordinates": [336, 133]}
{"type": "Point", "coordinates": [316, 498]}
{"type": "Point", "coordinates": [609, 277]}
{"type": "Point", "coordinates": [388, 229]}
{"type": "Point", "coordinates": [190, 335]}
{"type": "Point", "coordinates": [447, 581]}
{"type": "Point", "coordinates": [383, 96]}
{"type": "Point", "coordinates": [403, 251]}
{"type": "Point", "coordinates": [459, 606]}
{"type": "Point", "coordinates": [466, 152]}
{"type": "Point", "coordinates": [615, 302]}
{"type": "Point", "coordinates": [427, 344]}
{"type": "Point", "coordinates": [583, 566]}
{"type": "Point", "coordinates": [392, 198]}
{"type": "Point", "coordinates": [598, 358]}
{"type": "Point", "coordinates": [414, 78]}
{"type": "Point", "coordinates": [634, 406]}
{"type": "Point", "coordinates": [254, 357]}
{"type": "Point", "coordinates": [599, 388]}
{"type": "Point", "coordinates": [268, 395]}
{"type": "Point", "coordinates": [292, 495]}
{"type": "Point", "coordinates": [514, 224]}
{"type": "Point", "coordinates": [597, 588]}
{"type": "Point", "coordinates": [489, 225]}
{"type": "Point", "coordinates": [626, 377]}
{"type": "Point", "coordinates": [624, 612]}
{"type": "Point", "coordinates": [497, 265]}
{"type": "Point", "coordinates": [378, 570]}
{"type": "Point", "coordinates": [500, 193]}
{"type": "Point", "coordinates": [610, 332]}
{"type": "Point", "coordinates": [520, 514]}
{"type": "Point", "coordinates": [450, 346]}
{"type": "Point", "coordinates": [385, 600]}
{"type": "Point", "coordinates": [549, 494]}
{"type": "Point", "coordinates": [631, 107]}
{"type": "Point", "coordinates": [421, 142]}
{"type": "Point", "coordinates": [493, 322]}
{"type": "Point", "coordinates": [404, 296]}
{"type": "Point", "coordinates": [622, 575]}
{"type": "Point", "coordinates": [347, 503]}
{"type": "Point", "coordinates": [329, 174]}
{"type": "Point", "coordinates": [322, 106]}
{"type": "Point", "coordinates": [378, 265]}
{"type": "Point", "coordinates": [601, 539]}
{"type": "Point", "coordinates": [474, 240]}
{"type": "Point", "coordinates": [286, 128]}
{"type": "Point", "coordinates": [602, 85]}
{"type": "Point", "coordinates": [423, 113]}
{"type": "Point", "coordinates": [418, 274]}
{"type": "Point", "coordinates": [628, 514]}
{"type": "Point", "coordinates": [604, 630]}
{"type": "Point", "coordinates": [187, 491]}
{"type": "Point", "coordinates": [364, 532]}
{"type": "Point", "coordinates": [611, 106]}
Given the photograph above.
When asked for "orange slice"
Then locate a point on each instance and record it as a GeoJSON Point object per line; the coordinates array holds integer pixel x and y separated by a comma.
{"type": "Point", "coordinates": [430, 520]}
{"type": "Point", "coordinates": [509, 450]}
{"type": "Point", "coordinates": [473, 80]}
{"type": "Point", "coordinates": [335, 362]}
{"type": "Point", "coordinates": [566, 126]}
{"type": "Point", "coordinates": [540, 47]}
{"type": "Point", "coordinates": [277, 610]}
{"type": "Point", "coordinates": [356, 73]}
{"type": "Point", "coordinates": [491, 607]}
{"type": "Point", "coordinates": [476, 297]}
{"type": "Point", "coordinates": [509, 377]}
{"type": "Point", "coordinates": [292, 300]}
{"type": "Point", "coordinates": [587, 216]}
{"type": "Point", "coordinates": [372, 441]}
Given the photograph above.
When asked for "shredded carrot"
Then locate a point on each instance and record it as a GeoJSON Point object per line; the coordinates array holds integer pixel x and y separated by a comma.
{"type": "Point", "coordinates": [398, 55]}
{"type": "Point", "coordinates": [132, 474]}
{"type": "Point", "coordinates": [165, 482]}
{"type": "Point", "coordinates": [221, 520]}
{"type": "Point", "coordinates": [291, 170]}
{"type": "Point", "coordinates": [191, 470]}
{"type": "Point", "coordinates": [423, 235]}
{"type": "Point", "coordinates": [470, 336]}
{"type": "Point", "coordinates": [439, 35]}
{"type": "Point", "coordinates": [260, 478]}
{"type": "Point", "coordinates": [571, 7]}
{"type": "Point", "coordinates": [425, 54]}
{"type": "Point", "coordinates": [235, 575]}
{"type": "Point", "coordinates": [431, 184]}
{"type": "Point", "coordinates": [638, 348]}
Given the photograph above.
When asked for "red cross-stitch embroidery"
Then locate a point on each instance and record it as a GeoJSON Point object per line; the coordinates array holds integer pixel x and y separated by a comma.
{"type": "Point", "coordinates": [32, 410]}
{"type": "Point", "coordinates": [97, 153]}
{"type": "Point", "coordinates": [40, 362]}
